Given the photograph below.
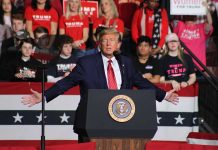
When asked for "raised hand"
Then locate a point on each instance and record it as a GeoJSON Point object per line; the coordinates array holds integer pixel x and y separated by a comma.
{"type": "Point", "coordinates": [33, 99]}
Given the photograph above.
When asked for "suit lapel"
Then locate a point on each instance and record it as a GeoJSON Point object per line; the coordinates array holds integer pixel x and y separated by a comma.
{"type": "Point", "coordinates": [122, 72]}
{"type": "Point", "coordinates": [100, 72]}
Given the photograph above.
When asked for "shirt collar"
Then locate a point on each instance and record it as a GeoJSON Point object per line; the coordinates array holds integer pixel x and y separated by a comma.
{"type": "Point", "coordinates": [105, 59]}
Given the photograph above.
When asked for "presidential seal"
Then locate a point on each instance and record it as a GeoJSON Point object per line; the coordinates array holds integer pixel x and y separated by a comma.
{"type": "Point", "coordinates": [121, 108]}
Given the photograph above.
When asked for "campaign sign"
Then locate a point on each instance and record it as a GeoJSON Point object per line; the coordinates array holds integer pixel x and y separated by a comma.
{"type": "Point", "coordinates": [187, 7]}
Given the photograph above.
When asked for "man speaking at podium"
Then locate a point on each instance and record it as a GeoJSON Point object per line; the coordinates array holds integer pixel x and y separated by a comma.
{"type": "Point", "coordinates": [105, 70]}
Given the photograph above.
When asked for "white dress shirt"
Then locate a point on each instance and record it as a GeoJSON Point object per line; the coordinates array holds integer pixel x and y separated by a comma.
{"type": "Point", "coordinates": [116, 69]}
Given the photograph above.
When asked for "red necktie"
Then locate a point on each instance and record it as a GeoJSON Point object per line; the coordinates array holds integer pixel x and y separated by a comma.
{"type": "Point", "coordinates": [112, 84]}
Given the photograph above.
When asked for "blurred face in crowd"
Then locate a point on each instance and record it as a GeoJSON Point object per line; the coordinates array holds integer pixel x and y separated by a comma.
{"type": "Point", "coordinates": [18, 25]}
{"type": "Point", "coordinates": [152, 4]}
{"type": "Point", "coordinates": [67, 49]}
{"type": "Point", "coordinates": [26, 49]}
{"type": "Point", "coordinates": [189, 18]}
{"type": "Point", "coordinates": [42, 39]}
{"type": "Point", "coordinates": [108, 44]}
{"type": "Point", "coordinates": [74, 5]}
{"type": "Point", "coordinates": [105, 6]}
{"type": "Point", "coordinates": [173, 45]}
{"type": "Point", "coordinates": [6, 6]}
{"type": "Point", "coordinates": [39, 35]}
{"type": "Point", "coordinates": [144, 49]}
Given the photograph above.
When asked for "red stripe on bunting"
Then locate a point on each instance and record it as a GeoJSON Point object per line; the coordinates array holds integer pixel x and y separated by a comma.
{"type": "Point", "coordinates": [205, 136]}
{"type": "Point", "coordinates": [15, 88]}
{"type": "Point", "coordinates": [189, 91]}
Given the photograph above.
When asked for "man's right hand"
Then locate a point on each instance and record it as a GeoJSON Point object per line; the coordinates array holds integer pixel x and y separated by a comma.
{"type": "Point", "coordinates": [33, 99]}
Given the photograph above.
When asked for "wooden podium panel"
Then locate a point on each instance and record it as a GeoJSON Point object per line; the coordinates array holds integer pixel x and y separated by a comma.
{"type": "Point", "coordinates": [120, 143]}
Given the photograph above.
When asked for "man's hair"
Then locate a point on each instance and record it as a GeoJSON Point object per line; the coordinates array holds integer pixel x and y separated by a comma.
{"type": "Point", "coordinates": [142, 39]}
{"type": "Point", "coordinates": [18, 16]}
{"type": "Point", "coordinates": [41, 29]}
{"type": "Point", "coordinates": [107, 31]}
{"type": "Point", "coordinates": [64, 39]}
{"type": "Point", "coordinates": [27, 40]}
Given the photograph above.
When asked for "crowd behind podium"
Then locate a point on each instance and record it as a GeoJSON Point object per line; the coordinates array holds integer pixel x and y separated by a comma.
{"type": "Point", "coordinates": [150, 37]}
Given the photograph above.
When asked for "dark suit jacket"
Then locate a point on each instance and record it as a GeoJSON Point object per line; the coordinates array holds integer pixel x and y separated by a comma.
{"type": "Point", "coordinates": [7, 43]}
{"type": "Point", "coordinates": [89, 74]}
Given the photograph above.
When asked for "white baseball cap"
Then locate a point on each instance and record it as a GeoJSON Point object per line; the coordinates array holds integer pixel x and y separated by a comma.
{"type": "Point", "coordinates": [171, 37]}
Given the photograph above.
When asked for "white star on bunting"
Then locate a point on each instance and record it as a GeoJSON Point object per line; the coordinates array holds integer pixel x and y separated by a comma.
{"type": "Point", "coordinates": [179, 119]}
{"type": "Point", "coordinates": [17, 118]}
{"type": "Point", "coordinates": [64, 118]}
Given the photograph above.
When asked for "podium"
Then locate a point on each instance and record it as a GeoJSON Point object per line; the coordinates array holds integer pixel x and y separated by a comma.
{"type": "Point", "coordinates": [120, 119]}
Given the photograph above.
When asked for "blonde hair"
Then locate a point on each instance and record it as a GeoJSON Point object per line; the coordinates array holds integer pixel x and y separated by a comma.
{"type": "Point", "coordinates": [180, 53]}
{"type": "Point", "coordinates": [67, 14]}
{"type": "Point", "coordinates": [113, 8]}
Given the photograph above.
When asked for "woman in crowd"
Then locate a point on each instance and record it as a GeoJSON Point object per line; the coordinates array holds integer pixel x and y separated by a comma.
{"type": "Point", "coordinates": [54, 3]}
{"type": "Point", "coordinates": [40, 13]}
{"type": "Point", "coordinates": [108, 17]}
{"type": "Point", "coordinates": [177, 67]}
{"type": "Point", "coordinates": [76, 25]}
{"type": "Point", "coordinates": [152, 21]}
{"type": "Point", "coordinates": [144, 62]}
{"type": "Point", "coordinates": [6, 10]}
{"type": "Point", "coordinates": [61, 66]}
{"type": "Point", "coordinates": [195, 35]}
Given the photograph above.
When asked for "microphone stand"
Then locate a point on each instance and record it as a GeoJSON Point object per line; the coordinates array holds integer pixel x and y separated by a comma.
{"type": "Point", "coordinates": [43, 110]}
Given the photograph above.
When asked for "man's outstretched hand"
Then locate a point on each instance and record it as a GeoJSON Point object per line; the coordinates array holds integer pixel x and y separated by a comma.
{"type": "Point", "coordinates": [33, 99]}
{"type": "Point", "coordinates": [172, 97]}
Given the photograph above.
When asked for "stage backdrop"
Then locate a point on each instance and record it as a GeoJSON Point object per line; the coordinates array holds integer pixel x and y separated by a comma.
{"type": "Point", "coordinates": [19, 122]}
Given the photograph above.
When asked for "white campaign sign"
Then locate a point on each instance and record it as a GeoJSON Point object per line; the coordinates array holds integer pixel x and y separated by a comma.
{"type": "Point", "coordinates": [187, 7]}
